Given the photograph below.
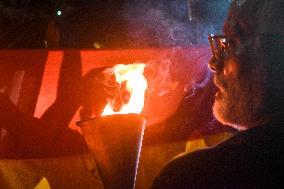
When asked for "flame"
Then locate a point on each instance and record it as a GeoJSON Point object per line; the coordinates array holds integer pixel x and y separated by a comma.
{"type": "Point", "coordinates": [131, 94]}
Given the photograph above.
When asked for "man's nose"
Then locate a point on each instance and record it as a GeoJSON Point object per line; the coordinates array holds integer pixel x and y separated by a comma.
{"type": "Point", "coordinates": [215, 65]}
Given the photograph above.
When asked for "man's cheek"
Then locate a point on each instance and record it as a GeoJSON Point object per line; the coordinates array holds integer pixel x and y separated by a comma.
{"type": "Point", "coordinates": [231, 68]}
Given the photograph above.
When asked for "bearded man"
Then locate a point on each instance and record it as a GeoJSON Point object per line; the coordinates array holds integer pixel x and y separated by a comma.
{"type": "Point", "coordinates": [248, 61]}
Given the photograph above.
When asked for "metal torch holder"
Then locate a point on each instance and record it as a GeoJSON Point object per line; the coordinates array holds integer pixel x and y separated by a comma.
{"type": "Point", "coordinates": [115, 142]}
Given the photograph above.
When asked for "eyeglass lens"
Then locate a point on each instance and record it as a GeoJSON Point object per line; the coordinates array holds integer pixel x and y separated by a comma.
{"type": "Point", "coordinates": [219, 45]}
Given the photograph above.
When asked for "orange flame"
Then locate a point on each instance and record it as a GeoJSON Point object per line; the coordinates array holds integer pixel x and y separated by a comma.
{"type": "Point", "coordinates": [131, 94]}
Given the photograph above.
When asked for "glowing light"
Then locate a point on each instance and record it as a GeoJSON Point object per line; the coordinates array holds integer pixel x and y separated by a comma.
{"type": "Point", "coordinates": [97, 45]}
{"type": "Point", "coordinates": [224, 42]}
{"type": "Point", "coordinates": [59, 13]}
{"type": "Point", "coordinates": [131, 94]}
{"type": "Point", "coordinates": [43, 184]}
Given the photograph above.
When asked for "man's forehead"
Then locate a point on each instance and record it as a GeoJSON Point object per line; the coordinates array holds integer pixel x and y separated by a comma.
{"type": "Point", "coordinates": [230, 27]}
{"type": "Point", "coordinates": [253, 17]}
{"type": "Point", "coordinates": [233, 25]}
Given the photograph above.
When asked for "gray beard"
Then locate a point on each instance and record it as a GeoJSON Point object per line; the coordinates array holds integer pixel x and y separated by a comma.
{"type": "Point", "coordinates": [241, 104]}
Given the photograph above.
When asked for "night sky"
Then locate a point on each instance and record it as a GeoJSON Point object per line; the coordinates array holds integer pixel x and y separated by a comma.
{"type": "Point", "coordinates": [108, 24]}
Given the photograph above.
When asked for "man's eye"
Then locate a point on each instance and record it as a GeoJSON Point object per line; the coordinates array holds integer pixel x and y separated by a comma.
{"type": "Point", "coordinates": [224, 43]}
{"type": "Point", "coordinates": [227, 43]}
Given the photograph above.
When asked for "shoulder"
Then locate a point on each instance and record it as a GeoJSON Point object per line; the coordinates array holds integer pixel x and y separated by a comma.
{"type": "Point", "coordinates": [254, 158]}
{"type": "Point", "coordinates": [188, 170]}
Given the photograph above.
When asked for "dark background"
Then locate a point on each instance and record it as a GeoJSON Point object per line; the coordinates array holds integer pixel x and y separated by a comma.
{"type": "Point", "coordinates": [104, 24]}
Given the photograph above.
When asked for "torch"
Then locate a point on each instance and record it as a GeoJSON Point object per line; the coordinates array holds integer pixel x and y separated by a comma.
{"type": "Point", "coordinates": [115, 138]}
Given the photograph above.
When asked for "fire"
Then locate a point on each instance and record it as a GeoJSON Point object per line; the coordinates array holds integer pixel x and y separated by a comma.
{"type": "Point", "coordinates": [131, 94]}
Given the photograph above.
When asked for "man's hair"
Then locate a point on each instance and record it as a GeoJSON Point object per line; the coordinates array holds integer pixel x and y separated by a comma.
{"type": "Point", "coordinates": [258, 16]}
{"type": "Point", "coordinates": [261, 24]}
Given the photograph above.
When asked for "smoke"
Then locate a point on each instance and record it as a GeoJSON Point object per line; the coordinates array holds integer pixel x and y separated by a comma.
{"type": "Point", "coordinates": [162, 82]}
{"type": "Point", "coordinates": [162, 23]}
{"type": "Point", "coordinates": [171, 25]}
{"type": "Point", "coordinates": [191, 88]}
{"type": "Point", "coordinates": [166, 75]}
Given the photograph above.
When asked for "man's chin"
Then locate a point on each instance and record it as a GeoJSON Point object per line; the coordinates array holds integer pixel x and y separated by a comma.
{"type": "Point", "coordinates": [218, 109]}
{"type": "Point", "coordinates": [221, 111]}
{"type": "Point", "coordinates": [224, 115]}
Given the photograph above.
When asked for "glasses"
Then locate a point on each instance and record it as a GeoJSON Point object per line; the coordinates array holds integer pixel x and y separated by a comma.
{"type": "Point", "coordinates": [221, 46]}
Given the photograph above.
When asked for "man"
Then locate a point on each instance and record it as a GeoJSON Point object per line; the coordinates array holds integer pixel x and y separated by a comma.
{"type": "Point", "coordinates": [248, 61]}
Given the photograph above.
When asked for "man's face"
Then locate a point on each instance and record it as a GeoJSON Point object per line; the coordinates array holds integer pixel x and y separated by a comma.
{"type": "Point", "coordinates": [238, 101]}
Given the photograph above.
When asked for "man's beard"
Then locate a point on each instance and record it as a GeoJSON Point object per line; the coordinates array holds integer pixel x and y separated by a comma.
{"type": "Point", "coordinates": [239, 101]}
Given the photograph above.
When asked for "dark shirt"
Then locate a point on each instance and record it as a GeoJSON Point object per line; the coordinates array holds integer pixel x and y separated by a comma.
{"type": "Point", "coordinates": [251, 159]}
